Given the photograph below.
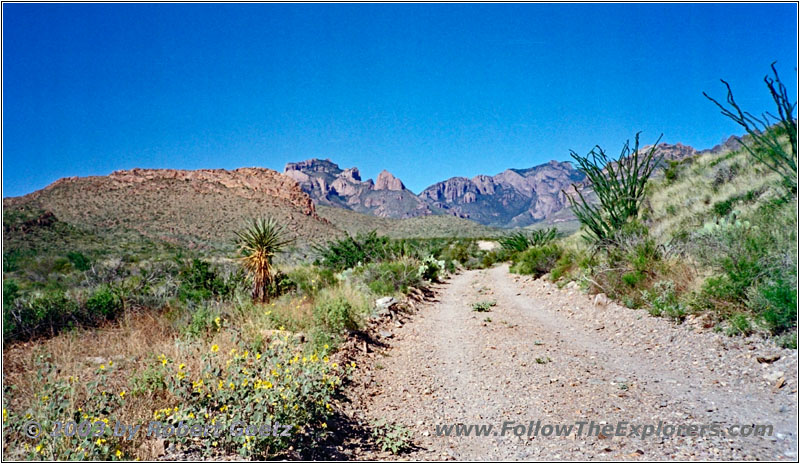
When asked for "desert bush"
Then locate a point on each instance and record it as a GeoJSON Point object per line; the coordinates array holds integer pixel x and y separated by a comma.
{"type": "Point", "coordinates": [663, 300]}
{"type": "Point", "coordinates": [754, 260]}
{"type": "Point", "coordinates": [276, 386]}
{"type": "Point", "coordinates": [336, 314]}
{"type": "Point", "coordinates": [203, 318]}
{"type": "Point", "coordinates": [394, 438]}
{"type": "Point", "coordinates": [671, 172]}
{"type": "Point", "coordinates": [739, 324]}
{"type": "Point", "coordinates": [308, 279]}
{"type": "Point", "coordinates": [430, 268]}
{"type": "Point", "coordinates": [460, 251]}
{"type": "Point", "coordinates": [351, 251]}
{"type": "Point", "coordinates": [536, 261]}
{"type": "Point", "coordinates": [563, 265]}
{"type": "Point", "coordinates": [79, 260]}
{"type": "Point", "coordinates": [103, 303]}
{"type": "Point", "coordinates": [483, 306]}
{"type": "Point", "coordinates": [10, 291]}
{"type": "Point", "coordinates": [200, 282]}
{"type": "Point", "coordinates": [775, 301]}
{"type": "Point", "coordinates": [390, 277]}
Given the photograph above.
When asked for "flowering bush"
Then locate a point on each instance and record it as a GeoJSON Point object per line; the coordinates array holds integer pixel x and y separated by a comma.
{"type": "Point", "coordinates": [240, 388]}
{"type": "Point", "coordinates": [55, 403]}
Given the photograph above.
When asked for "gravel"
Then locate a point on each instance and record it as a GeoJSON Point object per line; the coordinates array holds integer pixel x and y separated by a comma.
{"type": "Point", "coordinates": [548, 354]}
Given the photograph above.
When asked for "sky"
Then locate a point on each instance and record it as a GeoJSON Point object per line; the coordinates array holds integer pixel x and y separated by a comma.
{"type": "Point", "coordinates": [426, 91]}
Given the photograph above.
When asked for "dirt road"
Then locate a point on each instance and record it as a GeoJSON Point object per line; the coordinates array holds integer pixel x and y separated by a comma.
{"type": "Point", "coordinates": [551, 355]}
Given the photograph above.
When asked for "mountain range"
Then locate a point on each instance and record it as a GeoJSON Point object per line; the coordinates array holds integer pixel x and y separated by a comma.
{"type": "Point", "coordinates": [315, 199]}
{"type": "Point", "coordinates": [512, 198]}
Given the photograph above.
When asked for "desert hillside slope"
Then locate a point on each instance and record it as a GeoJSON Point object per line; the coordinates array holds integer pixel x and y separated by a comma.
{"type": "Point", "coordinates": [197, 209]}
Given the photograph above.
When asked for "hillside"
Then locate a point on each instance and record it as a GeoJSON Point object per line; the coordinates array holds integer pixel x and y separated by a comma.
{"type": "Point", "coordinates": [417, 227]}
{"type": "Point", "coordinates": [193, 209]}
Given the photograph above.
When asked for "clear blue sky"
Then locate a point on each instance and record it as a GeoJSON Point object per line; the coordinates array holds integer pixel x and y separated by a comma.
{"type": "Point", "coordinates": [426, 91]}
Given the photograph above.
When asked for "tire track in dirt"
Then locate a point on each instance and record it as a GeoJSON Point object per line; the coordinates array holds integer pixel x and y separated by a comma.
{"type": "Point", "coordinates": [529, 359]}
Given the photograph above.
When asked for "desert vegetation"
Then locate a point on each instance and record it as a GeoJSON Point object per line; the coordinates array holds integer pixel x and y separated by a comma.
{"type": "Point", "coordinates": [172, 334]}
{"type": "Point", "coordinates": [141, 322]}
{"type": "Point", "coordinates": [710, 237]}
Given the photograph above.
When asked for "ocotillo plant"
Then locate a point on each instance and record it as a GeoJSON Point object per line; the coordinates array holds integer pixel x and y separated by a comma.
{"type": "Point", "coordinates": [619, 186]}
{"type": "Point", "coordinates": [768, 131]}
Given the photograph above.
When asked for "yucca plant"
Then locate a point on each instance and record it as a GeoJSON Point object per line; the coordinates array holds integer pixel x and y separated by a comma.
{"type": "Point", "coordinates": [543, 236]}
{"type": "Point", "coordinates": [520, 241]}
{"type": "Point", "coordinates": [258, 244]}
{"type": "Point", "coordinates": [517, 241]}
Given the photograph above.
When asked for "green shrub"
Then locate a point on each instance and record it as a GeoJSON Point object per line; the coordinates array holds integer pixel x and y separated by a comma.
{"type": "Point", "coordinates": [460, 251]}
{"type": "Point", "coordinates": [483, 306]}
{"type": "Point", "coordinates": [663, 301]}
{"type": "Point", "coordinates": [536, 261]}
{"type": "Point", "coordinates": [722, 208]}
{"type": "Point", "coordinates": [62, 265]}
{"type": "Point", "coordinates": [351, 251]}
{"type": "Point", "coordinates": [671, 172]}
{"type": "Point", "coordinates": [633, 278]}
{"type": "Point", "coordinates": [309, 280]}
{"type": "Point", "coordinates": [45, 312]}
{"type": "Point", "coordinates": [205, 318]}
{"type": "Point", "coordinates": [394, 438]}
{"type": "Point", "coordinates": [199, 282]}
{"type": "Point", "coordinates": [79, 260]}
{"type": "Point", "coordinates": [391, 277]}
{"type": "Point", "coordinates": [430, 269]}
{"type": "Point", "coordinates": [104, 303]}
{"type": "Point", "coordinates": [788, 340]}
{"type": "Point", "coordinates": [10, 291]}
{"type": "Point", "coordinates": [336, 314]}
{"type": "Point", "coordinates": [776, 303]}
{"type": "Point", "coordinates": [739, 324]}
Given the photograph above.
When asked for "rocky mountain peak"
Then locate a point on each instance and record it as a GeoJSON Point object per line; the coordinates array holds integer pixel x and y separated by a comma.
{"type": "Point", "coordinates": [329, 185]}
{"type": "Point", "coordinates": [314, 165]}
{"type": "Point", "coordinates": [387, 181]}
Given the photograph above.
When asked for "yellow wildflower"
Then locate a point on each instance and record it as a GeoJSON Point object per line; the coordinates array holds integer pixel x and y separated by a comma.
{"type": "Point", "coordinates": [214, 348]}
